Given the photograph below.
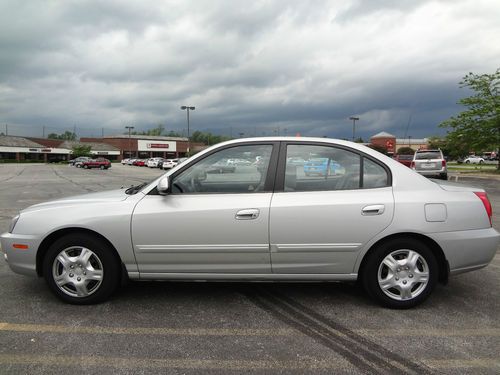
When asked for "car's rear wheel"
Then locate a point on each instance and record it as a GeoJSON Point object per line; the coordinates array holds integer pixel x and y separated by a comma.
{"type": "Point", "coordinates": [400, 273]}
{"type": "Point", "coordinates": [467, 162]}
{"type": "Point", "coordinates": [81, 269]}
{"type": "Point", "coordinates": [102, 167]}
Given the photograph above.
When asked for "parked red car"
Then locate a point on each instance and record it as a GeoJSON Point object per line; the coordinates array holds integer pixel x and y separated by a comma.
{"type": "Point", "coordinates": [97, 163]}
{"type": "Point", "coordinates": [140, 163]}
{"type": "Point", "coordinates": [404, 159]}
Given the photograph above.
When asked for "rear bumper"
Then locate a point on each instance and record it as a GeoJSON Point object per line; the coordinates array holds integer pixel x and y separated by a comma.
{"type": "Point", "coordinates": [431, 172]}
{"type": "Point", "coordinates": [468, 250]}
{"type": "Point", "coordinates": [21, 261]}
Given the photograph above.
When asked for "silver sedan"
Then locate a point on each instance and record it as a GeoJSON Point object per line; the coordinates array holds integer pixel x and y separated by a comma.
{"type": "Point", "coordinates": [355, 215]}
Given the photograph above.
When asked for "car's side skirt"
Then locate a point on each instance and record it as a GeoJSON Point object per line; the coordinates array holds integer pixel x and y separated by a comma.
{"type": "Point", "coordinates": [242, 277]}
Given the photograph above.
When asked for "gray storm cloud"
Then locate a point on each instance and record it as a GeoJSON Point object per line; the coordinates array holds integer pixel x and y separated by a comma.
{"type": "Point", "coordinates": [249, 67]}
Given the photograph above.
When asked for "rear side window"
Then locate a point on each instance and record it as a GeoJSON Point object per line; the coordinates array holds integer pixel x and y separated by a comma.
{"type": "Point", "coordinates": [374, 175]}
{"type": "Point", "coordinates": [320, 168]}
{"type": "Point", "coordinates": [327, 168]}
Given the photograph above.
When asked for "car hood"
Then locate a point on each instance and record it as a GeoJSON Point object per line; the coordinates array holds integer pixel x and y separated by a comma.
{"type": "Point", "coordinates": [103, 196]}
{"type": "Point", "coordinates": [453, 186]}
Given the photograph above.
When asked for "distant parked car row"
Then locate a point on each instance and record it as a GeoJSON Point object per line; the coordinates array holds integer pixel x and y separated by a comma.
{"type": "Point", "coordinates": [154, 162]}
{"type": "Point", "coordinates": [430, 163]}
{"type": "Point", "coordinates": [88, 163]}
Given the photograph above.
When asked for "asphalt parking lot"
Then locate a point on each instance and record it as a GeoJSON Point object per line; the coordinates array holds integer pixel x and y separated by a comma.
{"type": "Point", "coordinates": [184, 328]}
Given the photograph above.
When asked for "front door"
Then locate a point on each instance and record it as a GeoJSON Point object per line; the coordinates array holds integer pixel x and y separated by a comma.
{"type": "Point", "coordinates": [215, 220]}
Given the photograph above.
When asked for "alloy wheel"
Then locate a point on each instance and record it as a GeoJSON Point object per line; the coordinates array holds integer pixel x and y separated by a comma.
{"type": "Point", "coordinates": [403, 274]}
{"type": "Point", "coordinates": [77, 271]}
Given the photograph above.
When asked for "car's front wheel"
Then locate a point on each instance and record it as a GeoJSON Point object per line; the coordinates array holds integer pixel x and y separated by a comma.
{"type": "Point", "coordinates": [81, 269]}
{"type": "Point", "coordinates": [400, 273]}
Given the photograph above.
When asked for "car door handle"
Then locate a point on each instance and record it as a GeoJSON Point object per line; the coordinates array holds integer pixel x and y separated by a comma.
{"type": "Point", "coordinates": [376, 209]}
{"type": "Point", "coordinates": [248, 214]}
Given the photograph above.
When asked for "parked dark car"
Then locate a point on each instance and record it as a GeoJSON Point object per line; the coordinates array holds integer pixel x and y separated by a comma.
{"type": "Point", "coordinates": [100, 163]}
{"type": "Point", "coordinates": [80, 159]}
{"type": "Point", "coordinates": [404, 159]}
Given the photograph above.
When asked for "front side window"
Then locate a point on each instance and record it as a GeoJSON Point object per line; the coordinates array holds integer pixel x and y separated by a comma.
{"type": "Point", "coordinates": [239, 169]}
{"type": "Point", "coordinates": [319, 168]}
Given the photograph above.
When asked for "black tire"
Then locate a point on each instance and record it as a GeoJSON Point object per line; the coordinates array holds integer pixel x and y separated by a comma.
{"type": "Point", "coordinates": [111, 269]}
{"type": "Point", "coordinates": [373, 262]}
{"type": "Point", "coordinates": [102, 167]}
{"type": "Point", "coordinates": [467, 162]}
{"type": "Point", "coordinates": [85, 167]}
{"type": "Point", "coordinates": [444, 176]}
{"type": "Point", "coordinates": [481, 162]}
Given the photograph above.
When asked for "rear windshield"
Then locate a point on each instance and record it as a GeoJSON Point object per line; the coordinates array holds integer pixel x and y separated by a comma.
{"type": "Point", "coordinates": [428, 155]}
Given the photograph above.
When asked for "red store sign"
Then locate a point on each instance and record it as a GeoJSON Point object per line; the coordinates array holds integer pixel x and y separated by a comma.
{"type": "Point", "coordinates": [158, 145]}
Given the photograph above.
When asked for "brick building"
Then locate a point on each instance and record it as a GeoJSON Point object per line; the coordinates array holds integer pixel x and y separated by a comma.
{"type": "Point", "coordinates": [148, 146]}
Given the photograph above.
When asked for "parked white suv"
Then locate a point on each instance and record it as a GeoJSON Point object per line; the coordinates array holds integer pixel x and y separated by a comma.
{"type": "Point", "coordinates": [430, 163]}
{"type": "Point", "coordinates": [170, 163]}
{"type": "Point", "coordinates": [153, 162]}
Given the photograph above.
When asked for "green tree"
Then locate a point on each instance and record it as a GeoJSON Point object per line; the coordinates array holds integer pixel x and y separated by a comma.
{"type": "Point", "coordinates": [406, 151]}
{"type": "Point", "coordinates": [81, 150]}
{"type": "Point", "coordinates": [155, 131]}
{"type": "Point", "coordinates": [358, 140]}
{"type": "Point", "coordinates": [478, 127]}
{"type": "Point", "coordinates": [378, 148]}
{"type": "Point", "coordinates": [67, 136]}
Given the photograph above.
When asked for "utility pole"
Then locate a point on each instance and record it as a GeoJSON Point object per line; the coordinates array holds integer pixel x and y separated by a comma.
{"type": "Point", "coordinates": [354, 119]}
{"type": "Point", "coordinates": [187, 109]}
{"type": "Point", "coordinates": [43, 132]}
{"type": "Point", "coordinates": [129, 140]}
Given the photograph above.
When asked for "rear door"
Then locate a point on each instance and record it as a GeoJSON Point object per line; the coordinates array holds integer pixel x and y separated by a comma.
{"type": "Point", "coordinates": [319, 223]}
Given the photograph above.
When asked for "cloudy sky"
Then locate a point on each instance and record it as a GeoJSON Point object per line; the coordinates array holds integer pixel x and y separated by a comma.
{"type": "Point", "coordinates": [248, 66]}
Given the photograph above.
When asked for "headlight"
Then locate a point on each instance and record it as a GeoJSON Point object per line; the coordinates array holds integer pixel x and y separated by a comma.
{"type": "Point", "coordinates": [13, 223]}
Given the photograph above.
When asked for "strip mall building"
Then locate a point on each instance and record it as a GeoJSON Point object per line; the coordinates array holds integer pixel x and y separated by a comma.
{"type": "Point", "coordinates": [112, 147]}
{"type": "Point", "coordinates": [140, 146]}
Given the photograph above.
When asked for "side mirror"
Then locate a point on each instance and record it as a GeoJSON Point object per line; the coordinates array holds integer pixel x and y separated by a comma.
{"type": "Point", "coordinates": [163, 186]}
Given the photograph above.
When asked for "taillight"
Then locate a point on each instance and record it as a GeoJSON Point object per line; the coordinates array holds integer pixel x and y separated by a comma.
{"type": "Point", "coordinates": [443, 163]}
{"type": "Point", "coordinates": [412, 165]}
{"type": "Point", "coordinates": [486, 202]}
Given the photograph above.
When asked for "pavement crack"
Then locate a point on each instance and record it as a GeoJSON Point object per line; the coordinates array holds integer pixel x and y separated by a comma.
{"type": "Point", "coordinates": [71, 181]}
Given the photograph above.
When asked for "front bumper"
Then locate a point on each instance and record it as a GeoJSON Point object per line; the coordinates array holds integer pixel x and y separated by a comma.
{"type": "Point", "coordinates": [468, 250]}
{"type": "Point", "coordinates": [21, 261]}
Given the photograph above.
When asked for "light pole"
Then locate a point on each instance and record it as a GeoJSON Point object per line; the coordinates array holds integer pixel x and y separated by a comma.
{"type": "Point", "coordinates": [129, 144]}
{"type": "Point", "coordinates": [187, 108]}
{"type": "Point", "coordinates": [354, 119]}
